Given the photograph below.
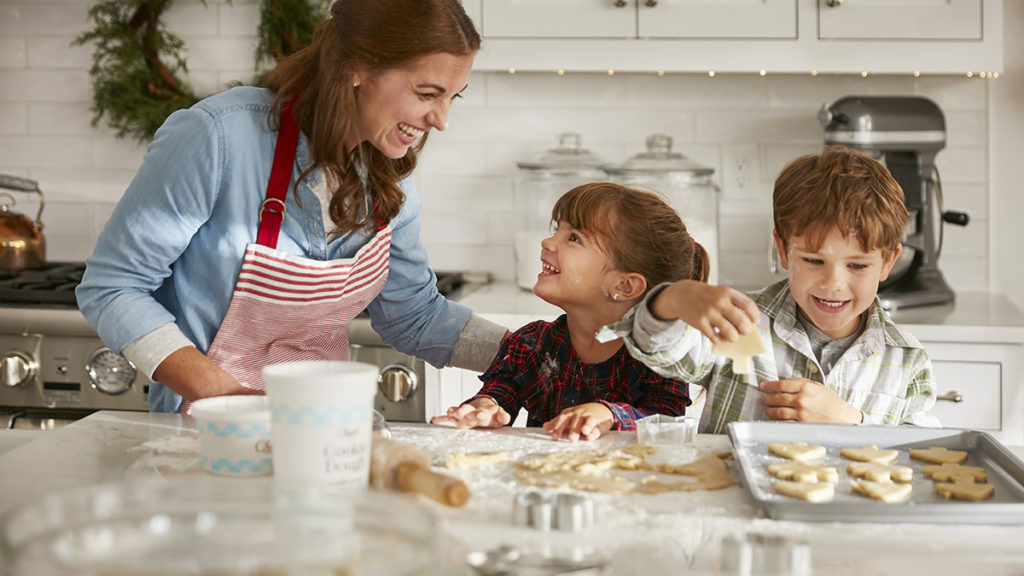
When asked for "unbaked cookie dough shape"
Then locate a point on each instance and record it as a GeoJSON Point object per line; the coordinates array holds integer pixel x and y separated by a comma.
{"type": "Point", "coordinates": [880, 472]}
{"type": "Point", "coordinates": [472, 460]}
{"type": "Point", "coordinates": [809, 491]}
{"type": "Point", "coordinates": [939, 455]}
{"type": "Point", "coordinates": [963, 488]}
{"type": "Point", "coordinates": [950, 472]}
{"type": "Point", "coordinates": [870, 453]}
{"type": "Point", "coordinates": [888, 492]}
{"type": "Point", "coordinates": [802, 472]}
{"type": "Point", "coordinates": [798, 451]}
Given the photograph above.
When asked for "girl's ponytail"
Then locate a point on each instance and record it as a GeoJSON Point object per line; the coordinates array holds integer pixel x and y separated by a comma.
{"type": "Point", "coordinates": [701, 263]}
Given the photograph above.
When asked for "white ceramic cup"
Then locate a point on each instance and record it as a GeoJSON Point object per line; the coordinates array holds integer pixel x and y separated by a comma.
{"type": "Point", "coordinates": [234, 435]}
{"type": "Point", "coordinates": [321, 422]}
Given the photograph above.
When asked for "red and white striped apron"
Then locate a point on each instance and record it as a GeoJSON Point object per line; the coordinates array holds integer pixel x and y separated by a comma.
{"type": "Point", "coordinates": [287, 307]}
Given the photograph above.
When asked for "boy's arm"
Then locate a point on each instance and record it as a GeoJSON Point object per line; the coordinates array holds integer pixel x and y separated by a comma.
{"type": "Point", "coordinates": [921, 394]}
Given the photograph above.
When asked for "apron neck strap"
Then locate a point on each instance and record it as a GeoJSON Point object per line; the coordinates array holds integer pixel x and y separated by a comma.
{"type": "Point", "coordinates": [273, 210]}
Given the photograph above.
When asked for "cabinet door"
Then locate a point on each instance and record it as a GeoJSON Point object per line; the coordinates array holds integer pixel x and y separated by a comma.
{"type": "Point", "coordinates": [900, 20]}
{"type": "Point", "coordinates": [717, 19]}
{"type": "Point", "coordinates": [559, 19]}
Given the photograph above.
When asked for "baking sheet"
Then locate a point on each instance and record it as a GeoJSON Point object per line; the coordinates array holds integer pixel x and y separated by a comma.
{"type": "Point", "coordinates": [1005, 471]}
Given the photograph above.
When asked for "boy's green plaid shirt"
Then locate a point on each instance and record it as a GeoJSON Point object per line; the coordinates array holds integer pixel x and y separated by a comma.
{"type": "Point", "coordinates": [885, 373]}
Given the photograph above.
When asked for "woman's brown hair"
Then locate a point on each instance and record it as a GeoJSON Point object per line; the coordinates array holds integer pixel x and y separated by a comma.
{"type": "Point", "coordinates": [369, 36]}
{"type": "Point", "coordinates": [637, 229]}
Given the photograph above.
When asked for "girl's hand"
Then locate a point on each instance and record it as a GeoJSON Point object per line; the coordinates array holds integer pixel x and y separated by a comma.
{"type": "Point", "coordinates": [480, 413]}
{"type": "Point", "coordinates": [587, 420]}
{"type": "Point", "coordinates": [803, 400]}
{"type": "Point", "coordinates": [719, 312]}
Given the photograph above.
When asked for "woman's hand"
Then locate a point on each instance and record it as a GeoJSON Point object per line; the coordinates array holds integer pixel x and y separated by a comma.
{"type": "Point", "coordinates": [478, 413]}
{"type": "Point", "coordinates": [803, 400]}
{"type": "Point", "coordinates": [588, 421]}
{"type": "Point", "coordinates": [719, 312]}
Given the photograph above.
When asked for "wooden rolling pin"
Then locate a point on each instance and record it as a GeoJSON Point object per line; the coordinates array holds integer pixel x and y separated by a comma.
{"type": "Point", "coordinates": [397, 466]}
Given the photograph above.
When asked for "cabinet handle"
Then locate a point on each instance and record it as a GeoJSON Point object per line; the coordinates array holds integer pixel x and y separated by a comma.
{"type": "Point", "coordinates": [621, 3]}
{"type": "Point", "coordinates": [833, 3]}
{"type": "Point", "coordinates": [951, 396]}
{"type": "Point", "coordinates": [651, 3]}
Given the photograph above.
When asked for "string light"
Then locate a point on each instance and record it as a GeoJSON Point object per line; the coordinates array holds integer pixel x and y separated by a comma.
{"type": "Point", "coordinates": [561, 72]}
{"type": "Point", "coordinates": [995, 74]}
{"type": "Point", "coordinates": [814, 72]}
{"type": "Point", "coordinates": [763, 72]}
{"type": "Point", "coordinates": [970, 74]}
{"type": "Point", "coordinates": [711, 73]}
{"type": "Point", "coordinates": [917, 74]}
{"type": "Point", "coordinates": [863, 73]}
{"type": "Point", "coordinates": [611, 72]}
{"type": "Point", "coordinates": [661, 72]}
{"type": "Point", "coordinates": [511, 70]}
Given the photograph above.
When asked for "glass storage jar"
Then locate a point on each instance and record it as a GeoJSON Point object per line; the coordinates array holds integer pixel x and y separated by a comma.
{"type": "Point", "coordinates": [685, 184]}
{"type": "Point", "coordinates": [541, 181]}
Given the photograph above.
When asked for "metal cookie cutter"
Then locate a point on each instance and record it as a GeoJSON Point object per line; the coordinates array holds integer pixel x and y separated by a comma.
{"type": "Point", "coordinates": [761, 554]}
{"type": "Point", "coordinates": [545, 512]}
{"type": "Point", "coordinates": [662, 429]}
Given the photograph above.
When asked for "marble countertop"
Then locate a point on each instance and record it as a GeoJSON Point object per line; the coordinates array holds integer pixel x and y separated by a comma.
{"type": "Point", "coordinates": [665, 534]}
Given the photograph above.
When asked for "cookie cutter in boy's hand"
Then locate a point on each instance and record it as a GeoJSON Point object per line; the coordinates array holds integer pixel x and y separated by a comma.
{"type": "Point", "coordinates": [662, 429]}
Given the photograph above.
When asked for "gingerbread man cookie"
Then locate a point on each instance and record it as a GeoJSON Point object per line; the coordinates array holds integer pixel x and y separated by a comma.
{"type": "Point", "coordinates": [870, 453]}
{"type": "Point", "coordinates": [809, 491]}
{"type": "Point", "coordinates": [949, 472]}
{"type": "Point", "coordinates": [939, 455]}
{"type": "Point", "coordinates": [964, 488]}
{"type": "Point", "coordinates": [801, 472]}
{"type": "Point", "coordinates": [799, 451]}
{"type": "Point", "coordinates": [880, 472]}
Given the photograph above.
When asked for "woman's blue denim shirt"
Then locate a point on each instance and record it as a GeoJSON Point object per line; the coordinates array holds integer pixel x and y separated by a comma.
{"type": "Point", "coordinates": [173, 248]}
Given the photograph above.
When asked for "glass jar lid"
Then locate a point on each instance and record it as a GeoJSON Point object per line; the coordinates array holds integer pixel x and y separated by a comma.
{"type": "Point", "coordinates": [659, 159]}
{"type": "Point", "coordinates": [567, 156]}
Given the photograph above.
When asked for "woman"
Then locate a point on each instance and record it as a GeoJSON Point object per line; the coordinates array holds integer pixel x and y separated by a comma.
{"type": "Point", "coordinates": [262, 220]}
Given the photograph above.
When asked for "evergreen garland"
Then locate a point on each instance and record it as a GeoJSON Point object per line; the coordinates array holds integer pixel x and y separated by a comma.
{"type": "Point", "coordinates": [137, 63]}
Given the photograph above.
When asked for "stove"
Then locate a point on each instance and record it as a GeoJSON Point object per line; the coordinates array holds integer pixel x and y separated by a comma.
{"type": "Point", "coordinates": [54, 369]}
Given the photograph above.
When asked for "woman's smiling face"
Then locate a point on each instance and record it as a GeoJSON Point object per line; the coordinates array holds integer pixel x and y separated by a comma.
{"type": "Point", "coordinates": [835, 283]}
{"type": "Point", "coordinates": [397, 107]}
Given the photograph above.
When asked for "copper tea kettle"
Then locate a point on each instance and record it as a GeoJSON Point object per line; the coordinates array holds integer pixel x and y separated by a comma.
{"type": "Point", "coordinates": [22, 244]}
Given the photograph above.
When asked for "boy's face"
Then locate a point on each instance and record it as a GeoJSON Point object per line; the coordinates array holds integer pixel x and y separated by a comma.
{"type": "Point", "coordinates": [836, 283]}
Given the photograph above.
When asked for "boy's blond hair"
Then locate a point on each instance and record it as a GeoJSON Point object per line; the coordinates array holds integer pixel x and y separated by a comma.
{"type": "Point", "coordinates": [844, 188]}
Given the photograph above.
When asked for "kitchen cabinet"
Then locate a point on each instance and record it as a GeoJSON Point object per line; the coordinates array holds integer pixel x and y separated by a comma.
{"type": "Point", "coordinates": [639, 19]}
{"type": "Point", "coordinates": [774, 36]}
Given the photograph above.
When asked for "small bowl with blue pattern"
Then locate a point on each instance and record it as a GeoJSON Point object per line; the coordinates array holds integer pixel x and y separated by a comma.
{"type": "Point", "coordinates": [234, 435]}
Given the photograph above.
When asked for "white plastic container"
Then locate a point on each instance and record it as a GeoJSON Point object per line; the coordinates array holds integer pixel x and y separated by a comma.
{"type": "Point", "coordinates": [541, 181]}
{"type": "Point", "coordinates": [234, 435]}
{"type": "Point", "coordinates": [321, 423]}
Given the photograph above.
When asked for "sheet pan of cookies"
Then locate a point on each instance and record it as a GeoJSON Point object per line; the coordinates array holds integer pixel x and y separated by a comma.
{"type": "Point", "coordinates": [823, 472]}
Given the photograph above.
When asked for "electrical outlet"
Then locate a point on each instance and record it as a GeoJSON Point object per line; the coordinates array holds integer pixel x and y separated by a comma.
{"type": "Point", "coordinates": [741, 171]}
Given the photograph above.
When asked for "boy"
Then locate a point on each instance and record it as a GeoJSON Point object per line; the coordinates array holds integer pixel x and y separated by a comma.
{"type": "Point", "coordinates": [834, 355]}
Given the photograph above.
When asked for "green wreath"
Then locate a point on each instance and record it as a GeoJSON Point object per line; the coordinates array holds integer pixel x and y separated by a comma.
{"type": "Point", "coordinates": [137, 63]}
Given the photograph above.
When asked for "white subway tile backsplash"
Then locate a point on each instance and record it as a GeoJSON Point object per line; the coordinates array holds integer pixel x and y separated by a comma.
{"type": "Point", "coordinates": [13, 118]}
{"type": "Point", "coordinates": [58, 52]}
{"type": "Point", "coordinates": [32, 17]}
{"type": "Point", "coordinates": [468, 173]}
{"type": "Point", "coordinates": [47, 118]}
{"type": "Point", "coordinates": [13, 51]}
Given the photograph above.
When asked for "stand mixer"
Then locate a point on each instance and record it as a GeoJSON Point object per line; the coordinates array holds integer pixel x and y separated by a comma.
{"type": "Point", "coordinates": [904, 133]}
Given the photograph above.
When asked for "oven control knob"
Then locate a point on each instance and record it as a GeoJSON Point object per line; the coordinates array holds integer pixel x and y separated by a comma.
{"type": "Point", "coordinates": [17, 368]}
{"type": "Point", "coordinates": [397, 383]}
{"type": "Point", "coordinates": [109, 372]}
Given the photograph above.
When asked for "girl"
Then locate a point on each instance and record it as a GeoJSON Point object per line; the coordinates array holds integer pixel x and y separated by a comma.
{"type": "Point", "coordinates": [610, 244]}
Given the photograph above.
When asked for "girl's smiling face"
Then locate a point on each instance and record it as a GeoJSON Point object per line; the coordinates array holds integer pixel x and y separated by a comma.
{"type": "Point", "coordinates": [575, 269]}
{"type": "Point", "coordinates": [397, 107]}
{"type": "Point", "coordinates": [835, 283]}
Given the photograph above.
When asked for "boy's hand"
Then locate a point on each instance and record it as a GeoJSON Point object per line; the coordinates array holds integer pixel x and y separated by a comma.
{"type": "Point", "coordinates": [803, 400]}
{"type": "Point", "coordinates": [588, 421]}
{"type": "Point", "coordinates": [480, 413]}
{"type": "Point", "coordinates": [719, 312]}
